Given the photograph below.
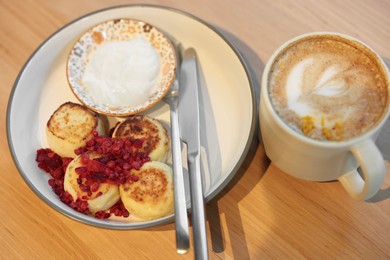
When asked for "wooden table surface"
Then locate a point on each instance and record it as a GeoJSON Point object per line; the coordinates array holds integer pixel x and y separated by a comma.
{"type": "Point", "coordinates": [263, 213]}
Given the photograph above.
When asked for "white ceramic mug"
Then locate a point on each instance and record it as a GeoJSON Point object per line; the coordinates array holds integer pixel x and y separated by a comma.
{"type": "Point", "coordinates": [315, 160]}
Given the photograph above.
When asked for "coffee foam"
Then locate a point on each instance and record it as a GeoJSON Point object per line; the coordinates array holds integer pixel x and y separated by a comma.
{"type": "Point", "coordinates": [332, 82]}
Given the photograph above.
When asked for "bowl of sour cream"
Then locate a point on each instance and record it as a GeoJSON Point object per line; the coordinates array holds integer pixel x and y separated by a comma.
{"type": "Point", "coordinates": [121, 67]}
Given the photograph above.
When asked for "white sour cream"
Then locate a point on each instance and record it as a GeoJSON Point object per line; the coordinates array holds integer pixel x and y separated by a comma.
{"type": "Point", "coordinates": [122, 73]}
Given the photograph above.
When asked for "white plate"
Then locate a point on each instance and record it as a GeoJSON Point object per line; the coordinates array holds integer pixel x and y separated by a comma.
{"type": "Point", "coordinates": [228, 109]}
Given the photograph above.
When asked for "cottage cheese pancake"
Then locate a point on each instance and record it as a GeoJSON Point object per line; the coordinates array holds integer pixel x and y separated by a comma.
{"type": "Point", "coordinates": [156, 139]}
{"type": "Point", "coordinates": [102, 197]}
{"type": "Point", "coordinates": [71, 126]}
{"type": "Point", "coordinates": [151, 197]}
{"type": "Point", "coordinates": [328, 88]}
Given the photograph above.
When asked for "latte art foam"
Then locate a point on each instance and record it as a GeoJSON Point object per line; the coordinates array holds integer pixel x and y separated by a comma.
{"type": "Point", "coordinates": [328, 89]}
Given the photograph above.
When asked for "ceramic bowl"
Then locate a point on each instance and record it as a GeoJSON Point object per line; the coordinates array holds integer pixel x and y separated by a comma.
{"type": "Point", "coordinates": [119, 30]}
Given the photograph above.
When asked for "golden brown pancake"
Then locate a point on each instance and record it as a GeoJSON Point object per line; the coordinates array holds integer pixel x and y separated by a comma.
{"type": "Point", "coordinates": [150, 197]}
{"type": "Point", "coordinates": [70, 127]}
{"type": "Point", "coordinates": [156, 140]}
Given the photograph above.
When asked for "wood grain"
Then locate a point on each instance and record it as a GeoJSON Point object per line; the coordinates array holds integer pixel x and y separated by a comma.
{"type": "Point", "coordinates": [263, 212]}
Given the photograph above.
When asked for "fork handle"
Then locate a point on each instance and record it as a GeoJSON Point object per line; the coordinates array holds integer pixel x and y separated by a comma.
{"type": "Point", "coordinates": [197, 206]}
{"type": "Point", "coordinates": [181, 217]}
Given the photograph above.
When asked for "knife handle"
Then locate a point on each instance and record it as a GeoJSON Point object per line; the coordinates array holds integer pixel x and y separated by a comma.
{"type": "Point", "coordinates": [197, 207]}
{"type": "Point", "coordinates": [181, 218]}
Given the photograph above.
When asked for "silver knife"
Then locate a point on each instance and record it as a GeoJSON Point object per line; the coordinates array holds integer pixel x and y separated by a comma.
{"type": "Point", "coordinates": [189, 133]}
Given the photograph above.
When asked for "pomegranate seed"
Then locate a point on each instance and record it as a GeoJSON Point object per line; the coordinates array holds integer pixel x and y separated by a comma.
{"type": "Point", "coordinates": [125, 214]}
{"type": "Point", "coordinates": [134, 178]}
{"type": "Point", "coordinates": [102, 215]}
{"type": "Point", "coordinates": [118, 169]}
{"type": "Point", "coordinates": [136, 165]}
{"type": "Point", "coordinates": [111, 164]}
{"type": "Point", "coordinates": [51, 182]}
{"type": "Point", "coordinates": [126, 166]}
{"type": "Point", "coordinates": [72, 204]}
{"type": "Point", "coordinates": [95, 187]}
{"type": "Point", "coordinates": [79, 151]}
{"type": "Point", "coordinates": [91, 142]}
{"type": "Point", "coordinates": [122, 179]}
{"type": "Point", "coordinates": [84, 188]}
{"type": "Point", "coordinates": [84, 205]}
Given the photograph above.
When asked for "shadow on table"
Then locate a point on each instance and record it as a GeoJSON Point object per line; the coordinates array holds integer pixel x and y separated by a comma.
{"type": "Point", "coordinates": [380, 196]}
{"type": "Point", "coordinates": [233, 217]}
{"type": "Point", "coordinates": [383, 143]}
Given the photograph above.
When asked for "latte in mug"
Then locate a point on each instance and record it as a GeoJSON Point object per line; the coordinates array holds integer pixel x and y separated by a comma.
{"type": "Point", "coordinates": [328, 87]}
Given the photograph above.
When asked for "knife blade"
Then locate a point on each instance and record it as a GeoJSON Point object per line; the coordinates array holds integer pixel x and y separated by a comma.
{"type": "Point", "coordinates": [188, 110]}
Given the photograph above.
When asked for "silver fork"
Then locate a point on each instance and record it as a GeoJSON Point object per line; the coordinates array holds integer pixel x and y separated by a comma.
{"type": "Point", "coordinates": [181, 217]}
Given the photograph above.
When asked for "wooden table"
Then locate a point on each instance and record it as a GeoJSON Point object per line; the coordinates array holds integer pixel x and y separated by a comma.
{"type": "Point", "coordinates": [263, 213]}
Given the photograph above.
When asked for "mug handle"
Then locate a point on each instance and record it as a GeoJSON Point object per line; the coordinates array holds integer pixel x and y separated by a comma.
{"type": "Point", "coordinates": [373, 170]}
